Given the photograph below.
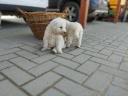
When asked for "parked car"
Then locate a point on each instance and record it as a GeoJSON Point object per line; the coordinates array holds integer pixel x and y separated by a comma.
{"type": "Point", "coordinates": [10, 6]}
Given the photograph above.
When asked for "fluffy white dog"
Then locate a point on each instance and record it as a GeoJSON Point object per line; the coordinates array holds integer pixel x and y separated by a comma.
{"type": "Point", "coordinates": [60, 31]}
{"type": "Point", "coordinates": [74, 33]}
{"type": "Point", "coordinates": [53, 36]}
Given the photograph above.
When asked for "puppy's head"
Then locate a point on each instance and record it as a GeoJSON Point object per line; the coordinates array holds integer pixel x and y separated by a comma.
{"type": "Point", "coordinates": [59, 25]}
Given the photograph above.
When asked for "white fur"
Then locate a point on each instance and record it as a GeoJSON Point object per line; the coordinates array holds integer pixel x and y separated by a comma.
{"type": "Point", "coordinates": [51, 39]}
{"type": "Point", "coordinates": [75, 32]}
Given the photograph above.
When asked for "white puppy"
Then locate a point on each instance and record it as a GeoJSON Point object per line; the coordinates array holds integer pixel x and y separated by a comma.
{"type": "Point", "coordinates": [74, 32]}
{"type": "Point", "coordinates": [53, 36]}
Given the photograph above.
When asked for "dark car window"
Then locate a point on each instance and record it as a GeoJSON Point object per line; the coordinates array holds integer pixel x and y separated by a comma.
{"type": "Point", "coordinates": [94, 4]}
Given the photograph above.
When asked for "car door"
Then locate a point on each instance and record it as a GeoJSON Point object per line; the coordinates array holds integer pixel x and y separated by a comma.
{"type": "Point", "coordinates": [54, 5]}
{"type": "Point", "coordinates": [33, 3]}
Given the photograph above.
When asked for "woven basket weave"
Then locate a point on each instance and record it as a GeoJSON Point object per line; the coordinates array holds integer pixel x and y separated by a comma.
{"type": "Point", "coordinates": [38, 21]}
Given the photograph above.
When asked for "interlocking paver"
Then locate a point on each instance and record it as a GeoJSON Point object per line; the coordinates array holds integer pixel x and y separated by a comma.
{"type": "Point", "coordinates": [96, 55]}
{"type": "Point", "coordinates": [81, 58]}
{"type": "Point", "coordinates": [99, 47]}
{"type": "Point", "coordinates": [23, 63]}
{"type": "Point", "coordinates": [90, 49]}
{"type": "Point", "coordinates": [66, 62]}
{"type": "Point", "coordinates": [44, 58]}
{"type": "Point", "coordinates": [4, 52]}
{"type": "Point", "coordinates": [124, 66]}
{"type": "Point", "coordinates": [115, 58]}
{"type": "Point", "coordinates": [17, 59]}
{"type": "Point", "coordinates": [73, 89]}
{"type": "Point", "coordinates": [121, 54]}
{"type": "Point", "coordinates": [28, 48]}
{"type": "Point", "coordinates": [6, 57]}
{"type": "Point", "coordinates": [45, 67]}
{"type": "Point", "coordinates": [120, 83]}
{"type": "Point", "coordinates": [122, 47]}
{"type": "Point", "coordinates": [71, 74]}
{"type": "Point", "coordinates": [5, 64]}
{"type": "Point", "coordinates": [42, 83]}
{"type": "Point", "coordinates": [65, 55]}
{"type": "Point", "coordinates": [53, 92]}
{"type": "Point", "coordinates": [105, 62]}
{"type": "Point", "coordinates": [1, 77]}
{"type": "Point", "coordinates": [116, 72]}
{"type": "Point", "coordinates": [8, 89]}
{"type": "Point", "coordinates": [116, 91]}
{"type": "Point", "coordinates": [88, 68]}
{"type": "Point", "coordinates": [106, 52]}
{"type": "Point", "coordinates": [27, 54]}
{"type": "Point", "coordinates": [99, 81]}
{"type": "Point", "coordinates": [76, 51]}
{"type": "Point", "coordinates": [17, 75]}
{"type": "Point", "coordinates": [98, 68]}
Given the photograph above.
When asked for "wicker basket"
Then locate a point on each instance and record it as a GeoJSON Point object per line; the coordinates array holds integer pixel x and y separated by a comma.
{"type": "Point", "coordinates": [38, 21]}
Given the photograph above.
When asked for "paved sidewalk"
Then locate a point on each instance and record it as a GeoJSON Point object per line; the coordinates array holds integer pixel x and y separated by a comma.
{"type": "Point", "coordinates": [98, 68]}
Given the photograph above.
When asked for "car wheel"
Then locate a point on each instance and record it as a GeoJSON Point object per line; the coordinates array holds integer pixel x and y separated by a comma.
{"type": "Point", "coordinates": [72, 9]}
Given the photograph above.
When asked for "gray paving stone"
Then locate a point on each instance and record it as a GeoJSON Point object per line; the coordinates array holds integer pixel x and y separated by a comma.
{"type": "Point", "coordinates": [96, 55]}
{"type": "Point", "coordinates": [117, 50]}
{"type": "Point", "coordinates": [47, 66]}
{"type": "Point", "coordinates": [6, 57]}
{"type": "Point", "coordinates": [106, 52]}
{"type": "Point", "coordinates": [73, 89]}
{"type": "Point", "coordinates": [93, 43]}
{"type": "Point", "coordinates": [5, 64]}
{"type": "Point", "coordinates": [17, 75]}
{"type": "Point", "coordinates": [99, 47]}
{"type": "Point", "coordinates": [9, 51]}
{"type": "Point", "coordinates": [125, 59]}
{"type": "Point", "coordinates": [76, 51]}
{"type": "Point", "coordinates": [26, 54]}
{"type": "Point", "coordinates": [116, 43]}
{"type": "Point", "coordinates": [53, 92]}
{"type": "Point", "coordinates": [105, 62]}
{"type": "Point", "coordinates": [44, 58]}
{"type": "Point", "coordinates": [66, 62]}
{"type": "Point", "coordinates": [115, 58]}
{"type": "Point", "coordinates": [99, 81]}
{"type": "Point", "coordinates": [115, 72]}
{"type": "Point", "coordinates": [124, 66]}
{"type": "Point", "coordinates": [8, 89]}
{"type": "Point", "coordinates": [116, 91]}
{"type": "Point", "coordinates": [42, 83]}
{"type": "Point", "coordinates": [23, 63]}
{"type": "Point", "coordinates": [40, 53]}
{"type": "Point", "coordinates": [65, 55]}
{"type": "Point", "coordinates": [28, 48]}
{"type": "Point", "coordinates": [81, 58]}
{"type": "Point", "coordinates": [71, 74]}
{"type": "Point", "coordinates": [32, 44]}
{"type": "Point", "coordinates": [90, 49]}
{"type": "Point", "coordinates": [121, 54]}
{"type": "Point", "coordinates": [120, 82]}
{"type": "Point", "coordinates": [17, 59]}
{"type": "Point", "coordinates": [88, 68]}
{"type": "Point", "coordinates": [1, 77]}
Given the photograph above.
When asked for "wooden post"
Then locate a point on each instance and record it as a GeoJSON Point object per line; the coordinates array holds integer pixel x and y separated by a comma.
{"type": "Point", "coordinates": [84, 6]}
{"type": "Point", "coordinates": [118, 9]}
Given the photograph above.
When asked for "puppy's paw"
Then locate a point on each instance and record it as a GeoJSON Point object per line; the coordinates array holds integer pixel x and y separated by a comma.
{"type": "Point", "coordinates": [60, 51]}
{"type": "Point", "coordinates": [43, 49]}
{"type": "Point", "coordinates": [54, 50]}
{"type": "Point", "coordinates": [77, 46]}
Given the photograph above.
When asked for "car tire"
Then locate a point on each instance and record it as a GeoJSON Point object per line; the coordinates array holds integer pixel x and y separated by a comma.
{"type": "Point", "coordinates": [72, 9]}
